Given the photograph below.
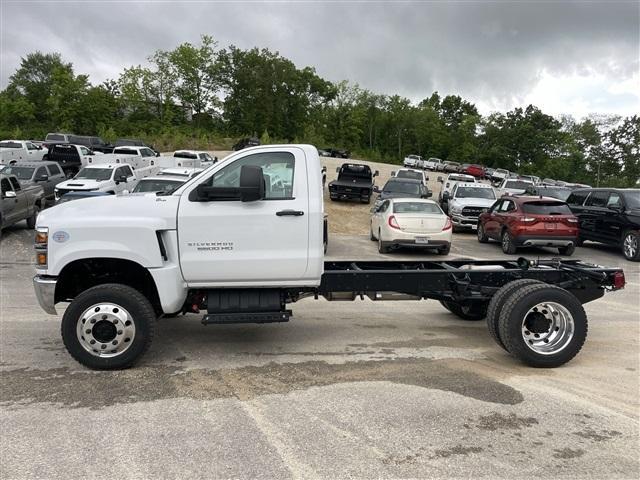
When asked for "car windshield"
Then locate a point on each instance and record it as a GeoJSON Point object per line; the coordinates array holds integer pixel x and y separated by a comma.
{"type": "Point", "coordinates": [99, 174]}
{"type": "Point", "coordinates": [149, 185]}
{"type": "Point", "coordinates": [632, 197]}
{"type": "Point", "coordinates": [416, 207]}
{"type": "Point", "coordinates": [409, 174]}
{"type": "Point", "coordinates": [10, 145]}
{"type": "Point", "coordinates": [402, 187]}
{"type": "Point", "coordinates": [517, 185]}
{"type": "Point", "coordinates": [546, 208]}
{"type": "Point", "coordinates": [23, 173]}
{"type": "Point", "coordinates": [475, 192]}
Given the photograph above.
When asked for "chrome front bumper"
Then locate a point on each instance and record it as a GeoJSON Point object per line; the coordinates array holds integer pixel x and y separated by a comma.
{"type": "Point", "coordinates": [45, 288]}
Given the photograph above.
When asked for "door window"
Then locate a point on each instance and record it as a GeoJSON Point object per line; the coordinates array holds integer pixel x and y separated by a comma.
{"type": "Point", "coordinates": [54, 170]}
{"type": "Point", "coordinates": [5, 185]}
{"type": "Point", "coordinates": [598, 199]}
{"type": "Point", "coordinates": [84, 151]}
{"type": "Point", "coordinates": [496, 206]}
{"type": "Point", "coordinates": [577, 198]}
{"type": "Point", "coordinates": [40, 172]}
{"type": "Point", "coordinates": [277, 168]}
{"type": "Point", "coordinates": [146, 152]}
{"type": "Point", "coordinates": [614, 200]}
{"type": "Point", "coordinates": [31, 146]}
{"type": "Point", "coordinates": [16, 184]}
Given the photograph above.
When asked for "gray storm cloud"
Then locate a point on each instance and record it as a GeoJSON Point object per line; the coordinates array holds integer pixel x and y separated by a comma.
{"type": "Point", "coordinates": [493, 53]}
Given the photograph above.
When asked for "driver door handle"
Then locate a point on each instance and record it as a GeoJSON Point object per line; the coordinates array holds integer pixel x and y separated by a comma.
{"type": "Point", "coordinates": [290, 213]}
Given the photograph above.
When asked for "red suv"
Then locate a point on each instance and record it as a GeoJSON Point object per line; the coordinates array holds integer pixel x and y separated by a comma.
{"type": "Point", "coordinates": [477, 171]}
{"type": "Point", "coordinates": [523, 221]}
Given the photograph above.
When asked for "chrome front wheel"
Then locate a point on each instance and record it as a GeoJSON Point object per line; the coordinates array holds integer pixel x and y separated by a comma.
{"type": "Point", "coordinates": [105, 330]}
{"type": "Point", "coordinates": [631, 247]}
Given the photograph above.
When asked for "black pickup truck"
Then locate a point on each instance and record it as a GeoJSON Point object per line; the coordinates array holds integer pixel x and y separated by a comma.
{"type": "Point", "coordinates": [355, 181]}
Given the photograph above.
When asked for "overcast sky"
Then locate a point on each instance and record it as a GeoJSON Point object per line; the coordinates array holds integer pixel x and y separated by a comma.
{"type": "Point", "coordinates": [565, 57]}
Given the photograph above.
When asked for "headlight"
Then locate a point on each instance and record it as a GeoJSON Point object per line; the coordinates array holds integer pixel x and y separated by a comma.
{"type": "Point", "coordinates": [455, 209]}
{"type": "Point", "coordinates": [41, 245]}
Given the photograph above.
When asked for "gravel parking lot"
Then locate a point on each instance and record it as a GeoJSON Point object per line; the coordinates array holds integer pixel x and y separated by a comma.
{"type": "Point", "coordinates": [354, 389]}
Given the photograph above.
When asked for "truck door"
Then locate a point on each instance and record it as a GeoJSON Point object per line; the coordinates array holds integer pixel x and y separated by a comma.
{"type": "Point", "coordinates": [227, 240]}
{"type": "Point", "coordinates": [22, 205]}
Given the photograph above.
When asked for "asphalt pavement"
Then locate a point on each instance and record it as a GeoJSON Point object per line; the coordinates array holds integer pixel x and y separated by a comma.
{"type": "Point", "coordinates": [345, 389]}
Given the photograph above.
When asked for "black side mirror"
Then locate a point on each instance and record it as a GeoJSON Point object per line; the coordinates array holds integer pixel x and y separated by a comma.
{"type": "Point", "coordinates": [376, 189]}
{"type": "Point", "coordinates": [376, 173]}
{"type": "Point", "coordinates": [338, 170]}
{"type": "Point", "coordinates": [440, 180]}
{"type": "Point", "coordinates": [251, 183]}
{"type": "Point", "coordinates": [42, 178]}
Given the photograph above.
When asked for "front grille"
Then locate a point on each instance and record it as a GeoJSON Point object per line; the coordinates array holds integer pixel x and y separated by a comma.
{"type": "Point", "coordinates": [472, 211]}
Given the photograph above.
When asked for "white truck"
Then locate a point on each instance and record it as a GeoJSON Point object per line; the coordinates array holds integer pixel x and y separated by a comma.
{"type": "Point", "coordinates": [432, 164]}
{"type": "Point", "coordinates": [12, 151]}
{"type": "Point", "coordinates": [112, 173]}
{"type": "Point", "coordinates": [241, 248]}
{"type": "Point", "coordinates": [466, 202]}
{"type": "Point", "coordinates": [412, 161]}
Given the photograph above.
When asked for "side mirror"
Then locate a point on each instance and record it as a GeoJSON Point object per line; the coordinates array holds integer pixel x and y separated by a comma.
{"type": "Point", "coordinates": [426, 178]}
{"type": "Point", "coordinates": [122, 178]}
{"type": "Point", "coordinates": [429, 194]}
{"type": "Point", "coordinates": [440, 180]}
{"type": "Point", "coordinates": [393, 173]}
{"type": "Point", "coordinates": [251, 183]}
{"type": "Point", "coordinates": [9, 194]}
{"type": "Point", "coordinates": [157, 154]}
{"type": "Point", "coordinates": [42, 178]}
{"type": "Point", "coordinates": [376, 173]}
{"type": "Point", "coordinates": [337, 169]}
{"type": "Point", "coordinates": [376, 189]}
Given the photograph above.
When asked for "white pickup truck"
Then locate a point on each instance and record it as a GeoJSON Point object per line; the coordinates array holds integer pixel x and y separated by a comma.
{"type": "Point", "coordinates": [244, 239]}
{"type": "Point", "coordinates": [20, 151]}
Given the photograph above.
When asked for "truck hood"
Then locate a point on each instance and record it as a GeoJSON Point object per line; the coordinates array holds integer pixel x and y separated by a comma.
{"type": "Point", "coordinates": [126, 228]}
{"type": "Point", "coordinates": [81, 184]}
{"type": "Point", "coordinates": [471, 202]}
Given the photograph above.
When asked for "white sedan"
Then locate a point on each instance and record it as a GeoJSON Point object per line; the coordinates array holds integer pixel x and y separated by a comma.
{"type": "Point", "coordinates": [411, 222]}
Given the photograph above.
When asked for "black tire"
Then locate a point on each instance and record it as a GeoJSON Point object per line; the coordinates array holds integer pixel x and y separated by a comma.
{"type": "Point", "coordinates": [382, 248]}
{"type": "Point", "coordinates": [371, 236]}
{"type": "Point", "coordinates": [142, 315]}
{"type": "Point", "coordinates": [365, 200]}
{"type": "Point", "coordinates": [45, 157]}
{"type": "Point", "coordinates": [579, 242]}
{"type": "Point", "coordinates": [508, 246]}
{"type": "Point", "coordinates": [482, 237]}
{"type": "Point", "coordinates": [497, 303]}
{"type": "Point", "coordinates": [567, 251]}
{"type": "Point", "coordinates": [631, 246]}
{"type": "Point", "coordinates": [31, 221]}
{"type": "Point", "coordinates": [514, 313]}
{"type": "Point", "coordinates": [444, 250]}
{"type": "Point", "coordinates": [472, 312]}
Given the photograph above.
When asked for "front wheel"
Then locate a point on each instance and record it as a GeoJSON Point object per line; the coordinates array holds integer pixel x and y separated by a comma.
{"type": "Point", "coordinates": [631, 246]}
{"type": "Point", "coordinates": [108, 327]}
{"type": "Point", "coordinates": [31, 221]}
{"type": "Point", "coordinates": [482, 237]}
{"type": "Point", "coordinates": [543, 325]}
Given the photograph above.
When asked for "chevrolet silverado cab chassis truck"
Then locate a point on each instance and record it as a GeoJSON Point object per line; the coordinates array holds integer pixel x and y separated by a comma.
{"type": "Point", "coordinates": [244, 239]}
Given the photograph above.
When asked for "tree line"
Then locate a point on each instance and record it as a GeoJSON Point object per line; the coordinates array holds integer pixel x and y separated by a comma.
{"type": "Point", "coordinates": [203, 96]}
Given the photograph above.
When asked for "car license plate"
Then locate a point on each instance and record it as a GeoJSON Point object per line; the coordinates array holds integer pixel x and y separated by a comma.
{"type": "Point", "coordinates": [422, 240]}
{"type": "Point", "coordinates": [550, 226]}
{"type": "Point", "coordinates": [474, 226]}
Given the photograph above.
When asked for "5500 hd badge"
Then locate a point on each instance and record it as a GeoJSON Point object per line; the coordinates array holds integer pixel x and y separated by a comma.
{"type": "Point", "coordinates": [211, 246]}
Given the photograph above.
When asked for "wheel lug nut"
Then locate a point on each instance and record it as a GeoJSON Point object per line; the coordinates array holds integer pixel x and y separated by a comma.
{"type": "Point", "coordinates": [115, 320]}
{"type": "Point", "coordinates": [119, 332]}
{"type": "Point", "coordinates": [87, 331]}
{"type": "Point", "coordinates": [104, 317]}
{"type": "Point", "coordinates": [92, 342]}
{"type": "Point", "coordinates": [103, 346]}
{"type": "Point", "coordinates": [93, 320]}
{"type": "Point", "coordinates": [115, 342]}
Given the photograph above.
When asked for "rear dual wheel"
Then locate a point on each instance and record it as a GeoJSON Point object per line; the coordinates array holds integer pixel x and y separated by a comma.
{"type": "Point", "coordinates": [542, 325]}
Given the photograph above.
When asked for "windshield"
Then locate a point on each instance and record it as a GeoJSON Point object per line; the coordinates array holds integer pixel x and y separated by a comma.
{"type": "Point", "coordinates": [416, 207]}
{"type": "Point", "coordinates": [409, 174]}
{"type": "Point", "coordinates": [461, 178]}
{"type": "Point", "coordinates": [402, 187]}
{"type": "Point", "coordinates": [156, 185]}
{"type": "Point", "coordinates": [517, 185]}
{"type": "Point", "coordinates": [632, 197]}
{"type": "Point", "coordinates": [546, 208]}
{"type": "Point", "coordinates": [475, 192]}
{"type": "Point", "coordinates": [99, 174]}
{"type": "Point", "coordinates": [175, 174]}
{"type": "Point", "coordinates": [23, 173]}
{"type": "Point", "coordinates": [10, 145]}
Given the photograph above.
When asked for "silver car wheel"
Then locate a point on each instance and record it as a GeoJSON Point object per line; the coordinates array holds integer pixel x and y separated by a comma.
{"type": "Point", "coordinates": [630, 246]}
{"type": "Point", "coordinates": [105, 330]}
{"type": "Point", "coordinates": [547, 328]}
